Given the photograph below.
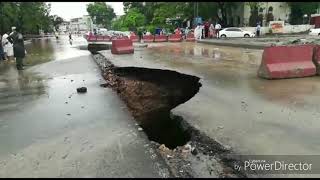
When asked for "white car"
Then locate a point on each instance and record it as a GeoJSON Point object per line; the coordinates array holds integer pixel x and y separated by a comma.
{"type": "Point", "coordinates": [235, 32]}
{"type": "Point", "coordinates": [314, 32]}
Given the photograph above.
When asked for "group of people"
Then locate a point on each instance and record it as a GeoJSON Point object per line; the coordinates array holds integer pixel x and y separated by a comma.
{"type": "Point", "coordinates": [207, 30]}
{"type": "Point", "coordinates": [12, 46]}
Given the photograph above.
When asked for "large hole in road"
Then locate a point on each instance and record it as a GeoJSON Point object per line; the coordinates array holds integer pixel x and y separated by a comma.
{"type": "Point", "coordinates": [150, 94]}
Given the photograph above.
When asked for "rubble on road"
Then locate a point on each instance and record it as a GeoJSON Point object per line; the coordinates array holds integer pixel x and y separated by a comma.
{"type": "Point", "coordinates": [297, 42]}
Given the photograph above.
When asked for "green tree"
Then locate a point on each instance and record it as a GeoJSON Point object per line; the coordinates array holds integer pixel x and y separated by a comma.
{"type": "Point", "coordinates": [299, 9]}
{"type": "Point", "coordinates": [8, 16]}
{"type": "Point", "coordinates": [130, 21]}
{"type": "Point", "coordinates": [29, 17]}
{"type": "Point", "coordinates": [101, 13]}
{"type": "Point", "coordinates": [254, 13]}
{"type": "Point", "coordinates": [133, 5]}
{"type": "Point", "coordinates": [56, 21]}
{"type": "Point", "coordinates": [133, 19]}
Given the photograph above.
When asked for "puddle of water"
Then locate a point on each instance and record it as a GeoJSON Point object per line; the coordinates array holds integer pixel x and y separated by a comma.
{"type": "Point", "coordinates": [49, 49]}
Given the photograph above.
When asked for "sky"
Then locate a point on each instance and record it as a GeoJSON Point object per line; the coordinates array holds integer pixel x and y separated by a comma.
{"type": "Point", "coordinates": [68, 10]}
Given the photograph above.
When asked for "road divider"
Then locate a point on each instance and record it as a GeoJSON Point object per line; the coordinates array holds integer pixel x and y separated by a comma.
{"type": "Point", "coordinates": [122, 46]}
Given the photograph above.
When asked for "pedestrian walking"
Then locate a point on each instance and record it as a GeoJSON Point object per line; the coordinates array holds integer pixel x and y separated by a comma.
{"type": "Point", "coordinates": [70, 36]}
{"type": "Point", "coordinates": [217, 28]}
{"type": "Point", "coordinates": [7, 47]}
{"type": "Point", "coordinates": [258, 30]}
{"type": "Point", "coordinates": [140, 34]}
{"type": "Point", "coordinates": [19, 51]}
{"type": "Point", "coordinates": [56, 34]}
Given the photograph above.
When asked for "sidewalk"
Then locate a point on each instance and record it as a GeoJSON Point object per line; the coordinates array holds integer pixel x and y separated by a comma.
{"type": "Point", "coordinates": [255, 42]}
{"type": "Point", "coordinates": [236, 43]}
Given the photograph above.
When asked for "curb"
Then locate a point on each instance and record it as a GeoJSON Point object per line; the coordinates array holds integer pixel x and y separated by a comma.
{"type": "Point", "coordinates": [249, 46]}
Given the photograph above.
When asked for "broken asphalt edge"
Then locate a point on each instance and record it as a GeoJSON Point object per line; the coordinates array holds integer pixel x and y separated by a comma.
{"type": "Point", "coordinates": [210, 146]}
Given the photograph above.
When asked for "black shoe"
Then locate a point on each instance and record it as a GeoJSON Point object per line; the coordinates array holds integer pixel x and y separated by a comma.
{"type": "Point", "coordinates": [21, 68]}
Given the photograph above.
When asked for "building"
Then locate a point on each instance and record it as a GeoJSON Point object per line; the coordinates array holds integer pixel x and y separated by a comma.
{"type": "Point", "coordinates": [81, 24]}
{"type": "Point", "coordinates": [267, 11]}
{"type": "Point", "coordinates": [64, 27]}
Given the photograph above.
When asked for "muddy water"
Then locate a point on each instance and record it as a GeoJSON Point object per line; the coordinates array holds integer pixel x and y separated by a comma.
{"type": "Point", "coordinates": [234, 106]}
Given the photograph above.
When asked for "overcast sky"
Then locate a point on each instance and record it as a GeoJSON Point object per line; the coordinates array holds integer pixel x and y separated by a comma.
{"type": "Point", "coordinates": [68, 10]}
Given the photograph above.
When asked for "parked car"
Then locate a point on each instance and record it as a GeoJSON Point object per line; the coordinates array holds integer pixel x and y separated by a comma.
{"type": "Point", "coordinates": [235, 32]}
{"type": "Point", "coordinates": [314, 32]}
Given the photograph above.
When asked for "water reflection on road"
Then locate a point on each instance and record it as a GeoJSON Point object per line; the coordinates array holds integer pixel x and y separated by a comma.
{"type": "Point", "coordinates": [16, 85]}
{"type": "Point", "coordinates": [49, 49]}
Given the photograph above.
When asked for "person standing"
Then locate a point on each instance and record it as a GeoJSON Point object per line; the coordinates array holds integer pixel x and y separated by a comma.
{"type": "Point", "coordinates": [206, 29]}
{"type": "Point", "coordinates": [19, 51]}
{"type": "Point", "coordinates": [258, 30]}
{"type": "Point", "coordinates": [140, 34]}
{"type": "Point", "coordinates": [1, 49]}
{"type": "Point", "coordinates": [7, 47]}
{"type": "Point", "coordinates": [211, 30]}
{"type": "Point", "coordinates": [197, 32]}
{"type": "Point", "coordinates": [217, 28]}
{"type": "Point", "coordinates": [202, 31]}
{"type": "Point", "coordinates": [186, 32]}
{"type": "Point", "coordinates": [177, 31]}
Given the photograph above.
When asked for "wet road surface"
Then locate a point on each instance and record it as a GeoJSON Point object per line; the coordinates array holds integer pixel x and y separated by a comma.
{"type": "Point", "coordinates": [48, 130]}
{"type": "Point", "coordinates": [234, 106]}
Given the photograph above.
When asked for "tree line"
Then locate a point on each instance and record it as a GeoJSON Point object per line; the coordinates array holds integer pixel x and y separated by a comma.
{"type": "Point", "coordinates": [28, 17]}
{"type": "Point", "coordinates": [155, 14]}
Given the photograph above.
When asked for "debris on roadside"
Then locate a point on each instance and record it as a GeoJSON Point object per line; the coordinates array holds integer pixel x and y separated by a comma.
{"type": "Point", "coordinates": [82, 90]}
{"type": "Point", "coordinates": [297, 42]}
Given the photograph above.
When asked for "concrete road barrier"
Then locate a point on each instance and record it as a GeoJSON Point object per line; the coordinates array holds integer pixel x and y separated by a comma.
{"type": "Point", "coordinates": [160, 38]}
{"type": "Point", "coordinates": [287, 62]}
{"type": "Point", "coordinates": [190, 37]}
{"type": "Point", "coordinates": [148, 38]}
{"type": "Point", "coordinates": [91, 38]}
{"type": "Point", "coordinates": [99, 38]}
{"type": "Point", "coordinates": [134, 38]}
{"type": "Point", "coordinates": [122, 46]}
{"type": "Point", "coordinates": [175, 38]}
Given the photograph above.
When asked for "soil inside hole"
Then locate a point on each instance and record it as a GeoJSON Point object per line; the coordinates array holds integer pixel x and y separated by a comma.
{"type": "Point", "coordinates": [168, 130]}
{"type": "Point", "coordinates": [150, 94]}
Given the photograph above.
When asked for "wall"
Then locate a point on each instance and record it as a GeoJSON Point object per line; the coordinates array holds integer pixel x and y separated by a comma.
{"type": "Point", "coordinates": [287, 29]}
{"type": "Point", "coordinates": [297, 28]}
{"type": "Point", "coordinates": [281, 10]}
